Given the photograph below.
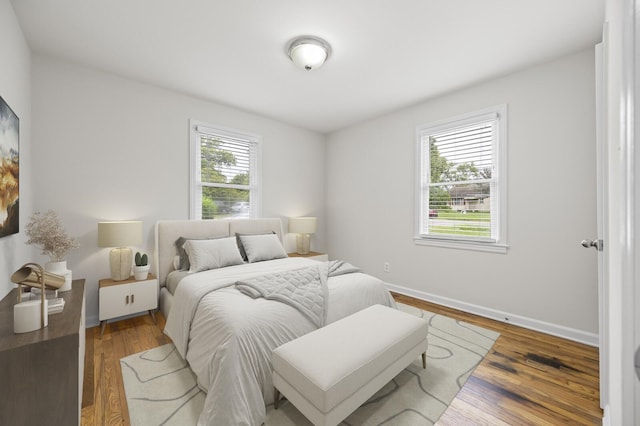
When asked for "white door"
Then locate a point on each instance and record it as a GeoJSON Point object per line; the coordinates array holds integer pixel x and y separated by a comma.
{"type": "Point", "coordinates": [635, 210]}
{"type": "Point", "coordinates": [598, 243]}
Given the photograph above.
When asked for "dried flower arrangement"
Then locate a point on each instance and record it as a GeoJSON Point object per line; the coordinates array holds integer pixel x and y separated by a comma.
{"type": "Point", "coordinates": [46, 231]}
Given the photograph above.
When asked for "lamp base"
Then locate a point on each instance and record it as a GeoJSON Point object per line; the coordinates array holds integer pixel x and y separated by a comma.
{"type": "Point", "coordinates": [120, 260]}
{"type": "Point", "coordinates": [303, 242]}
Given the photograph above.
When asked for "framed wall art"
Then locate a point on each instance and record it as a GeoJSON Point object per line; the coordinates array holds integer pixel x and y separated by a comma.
{"type": "Point", "coordinates": [9, 170]}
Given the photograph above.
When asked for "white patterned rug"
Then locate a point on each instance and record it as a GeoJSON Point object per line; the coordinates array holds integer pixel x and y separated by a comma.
{"type": "Point", "coordinates": [162, 390]}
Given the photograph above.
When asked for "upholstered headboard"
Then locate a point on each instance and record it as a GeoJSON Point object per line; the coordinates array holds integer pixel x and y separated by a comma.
{"type": "Point", "coordinates": [168, 231]}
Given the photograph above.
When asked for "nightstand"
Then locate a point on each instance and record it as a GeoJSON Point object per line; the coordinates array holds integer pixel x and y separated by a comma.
{"type": "Point", "coordinates": [120, 298]}
{"type": "Point", "coordinates": [313, 255]}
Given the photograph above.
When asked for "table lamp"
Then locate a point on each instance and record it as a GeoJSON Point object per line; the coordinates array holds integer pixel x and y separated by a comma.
{"type": "Point", "coordinates": [304, 227]}
{"type": "Point", "coordinates": [120, 235]}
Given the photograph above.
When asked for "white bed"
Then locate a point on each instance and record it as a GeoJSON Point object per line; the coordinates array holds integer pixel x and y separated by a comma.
{"type": "Point", "coordinates": [226, 336]}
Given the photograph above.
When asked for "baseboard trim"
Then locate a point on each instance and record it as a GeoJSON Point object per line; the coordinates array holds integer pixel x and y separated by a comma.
{"type": "Point", "coordinates": [91, 321]}
{"type": "Point", "coordinates": [579, 336]}
{"type": "Point", "coordinates": [605, 416]}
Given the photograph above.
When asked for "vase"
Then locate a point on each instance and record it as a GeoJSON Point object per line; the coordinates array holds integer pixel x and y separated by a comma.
{"type": "Point", "coordinates": [60, 268]}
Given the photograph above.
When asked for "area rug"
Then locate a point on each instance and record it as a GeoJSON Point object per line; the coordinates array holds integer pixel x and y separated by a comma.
{"type": "Point", "coordinates": [161, 389]}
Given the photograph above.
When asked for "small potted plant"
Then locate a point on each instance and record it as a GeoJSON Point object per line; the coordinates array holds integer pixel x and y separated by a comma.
{"type": "Point", "coordinates": [141, 270]}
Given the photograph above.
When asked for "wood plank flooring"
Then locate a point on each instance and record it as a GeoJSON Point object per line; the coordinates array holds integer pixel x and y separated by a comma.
{"type": "Point", "coordinates": [527, 378]}
{"type": "Point", "coordinates": [103, 399]}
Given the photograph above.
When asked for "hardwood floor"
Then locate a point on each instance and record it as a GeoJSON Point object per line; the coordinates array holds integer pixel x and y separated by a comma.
{"type": "Point", "coordinates": [527, 378]}
{"type": "Point", "coordinates": [103, 397]}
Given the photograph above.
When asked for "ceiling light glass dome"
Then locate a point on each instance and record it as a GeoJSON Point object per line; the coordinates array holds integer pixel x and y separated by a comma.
{"type": "Point", "coordinates": [308, 52]}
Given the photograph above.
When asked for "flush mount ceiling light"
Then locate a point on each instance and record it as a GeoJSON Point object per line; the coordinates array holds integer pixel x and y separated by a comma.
{"type": "Point", "coordinates": [308, 52]}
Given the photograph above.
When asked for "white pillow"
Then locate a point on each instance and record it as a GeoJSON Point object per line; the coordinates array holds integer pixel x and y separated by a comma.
{"type": "Point", "coordinates": [212, 254]}
{"type": "Point", "coordinates": [262, 247]}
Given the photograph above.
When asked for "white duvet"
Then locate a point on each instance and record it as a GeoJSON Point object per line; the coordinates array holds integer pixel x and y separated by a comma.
{"type": "Point", "coordinates": [228, 337]}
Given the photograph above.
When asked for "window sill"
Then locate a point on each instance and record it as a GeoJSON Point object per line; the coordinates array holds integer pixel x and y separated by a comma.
{"type": "Point", "coordinates": [462, 245]}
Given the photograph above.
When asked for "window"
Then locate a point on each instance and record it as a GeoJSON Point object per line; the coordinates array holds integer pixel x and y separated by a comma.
{"type": "Point", "coordinates": [225, 180]}
{"type": "Point", "coordinates": [461, 181]}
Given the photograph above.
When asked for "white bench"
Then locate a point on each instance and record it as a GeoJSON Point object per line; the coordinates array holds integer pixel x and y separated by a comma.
{"type": "Point", "coordinates": [330, 372]}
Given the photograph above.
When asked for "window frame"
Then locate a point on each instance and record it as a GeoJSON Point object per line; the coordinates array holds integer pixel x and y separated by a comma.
{"type": "Point", "coordinates": [499, 174]}
{"type": "Point", "coordinates": [195, 183]}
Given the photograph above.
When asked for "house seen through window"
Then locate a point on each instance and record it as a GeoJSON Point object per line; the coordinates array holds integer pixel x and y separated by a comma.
{"type": "Point", "coordinates": [460, 191]}
{"type": "Point", "coordinates": [224, 173]}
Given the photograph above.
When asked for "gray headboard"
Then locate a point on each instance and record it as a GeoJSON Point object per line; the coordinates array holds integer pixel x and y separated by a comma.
{"type": "Point", "coordinates": [168, 231]}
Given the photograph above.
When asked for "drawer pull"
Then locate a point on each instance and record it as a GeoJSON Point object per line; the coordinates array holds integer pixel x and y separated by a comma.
{"type": "Point", "coordinates": [132, 296]}
{"type": "Point", "coordinates": [127, 300]}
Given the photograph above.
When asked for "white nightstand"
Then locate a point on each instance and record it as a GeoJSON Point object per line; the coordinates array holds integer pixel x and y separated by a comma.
{"type": "Point", "coordinates": [313, 255]}
{"type": "Point", "coordinates": [120, 298]}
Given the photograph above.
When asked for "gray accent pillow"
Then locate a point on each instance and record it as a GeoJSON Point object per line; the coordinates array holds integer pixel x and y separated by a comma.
{"type": "Point", "coordinates": [184, 259]}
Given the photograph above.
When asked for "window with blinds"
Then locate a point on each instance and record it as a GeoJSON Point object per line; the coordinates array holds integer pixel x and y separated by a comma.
{"type": "Point", "coordinates": [460, 195]}
{"type": "Point", "coordinates": [225, 168]}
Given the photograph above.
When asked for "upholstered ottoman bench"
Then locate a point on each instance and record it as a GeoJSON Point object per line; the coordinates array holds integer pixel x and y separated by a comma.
{"type": "Point", "coordinates": [328, 373]}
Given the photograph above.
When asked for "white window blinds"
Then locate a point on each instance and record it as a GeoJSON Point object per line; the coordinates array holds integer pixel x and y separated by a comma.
{"type": "Point", "coordinates": [469, 151]}
{"type": "Point", "coordinates": [459, 193]}
{"type": "Point", "coordinates": [226, 179]}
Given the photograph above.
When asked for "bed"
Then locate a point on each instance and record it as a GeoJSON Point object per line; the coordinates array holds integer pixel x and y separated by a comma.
{"type": "Point", "coordinates": [226, 320]}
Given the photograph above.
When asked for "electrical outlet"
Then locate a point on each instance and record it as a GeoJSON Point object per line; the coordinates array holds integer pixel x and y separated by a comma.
{"type": "Point", "coordinates": [386, 267]}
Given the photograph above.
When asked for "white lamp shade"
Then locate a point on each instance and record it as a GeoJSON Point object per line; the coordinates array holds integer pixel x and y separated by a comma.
{"type": "Point", "coordinates": [119, 234]}
{"type": "Point", "coordinates": [303, 225]}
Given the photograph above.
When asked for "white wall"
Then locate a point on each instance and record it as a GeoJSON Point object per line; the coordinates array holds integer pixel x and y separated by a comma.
{"type": "Point", "coordinates": [546, 280]}
{"type": "Point", "coordinates": [15, 89]}
{"type": "Point", "coordinates": [108, 148]}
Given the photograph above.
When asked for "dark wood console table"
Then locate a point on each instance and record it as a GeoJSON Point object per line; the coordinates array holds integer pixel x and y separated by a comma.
{"type": "Point", "coordinates": [41, 372]}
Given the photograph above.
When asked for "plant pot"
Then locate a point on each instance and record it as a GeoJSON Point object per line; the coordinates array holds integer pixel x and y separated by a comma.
{"type": "Point", "coordinates": [140, 272]}
{"type": "Point", "coordinates": [60, 268]}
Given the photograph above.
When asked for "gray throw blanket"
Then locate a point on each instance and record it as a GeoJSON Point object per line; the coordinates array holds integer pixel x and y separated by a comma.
{"type": "Point", "coordinates": [305, 289]}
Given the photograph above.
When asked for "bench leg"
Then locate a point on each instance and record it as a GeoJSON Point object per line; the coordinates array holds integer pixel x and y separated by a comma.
{"type": "Point", "coordinates": [424, 360]}
{"type": "Point", "coordinates": [276, 398]}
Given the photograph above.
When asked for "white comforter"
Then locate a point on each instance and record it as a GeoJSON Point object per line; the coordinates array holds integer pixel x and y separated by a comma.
{"type": "Point", "coordinates": [228, 337]}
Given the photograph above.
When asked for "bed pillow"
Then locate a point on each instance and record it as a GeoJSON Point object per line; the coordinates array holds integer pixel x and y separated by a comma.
{"type": "Point", "coordinates": [243, 252]}
{"type": "Point", "coordinates": [212, 254]}
{"type": "Point", "coordinates": [262, 247]}
{"type": "Point", "coordinates": [183, 263]}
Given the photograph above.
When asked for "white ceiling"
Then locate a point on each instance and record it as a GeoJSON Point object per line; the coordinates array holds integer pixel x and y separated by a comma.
{"type": "Point", "coordinates": [387, 54]}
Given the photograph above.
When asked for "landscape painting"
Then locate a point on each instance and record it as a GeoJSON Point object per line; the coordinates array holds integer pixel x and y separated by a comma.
{"type": "Point", "coordinates": [9, 170]}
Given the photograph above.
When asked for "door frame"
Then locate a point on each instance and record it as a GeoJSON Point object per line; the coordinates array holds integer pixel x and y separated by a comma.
{"type": "Point", "coordinates": [633, 208]}
{"type": "Point", "coordinates": [623, 399]}
{"type": "Point", "coordinates": [622, 92]}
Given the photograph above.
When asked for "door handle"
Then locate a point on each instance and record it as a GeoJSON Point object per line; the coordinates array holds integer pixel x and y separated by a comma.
{"type": "Point", "coordinates": [637, 362]}
{"type": "Point", "coordinates": [596, 244]}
